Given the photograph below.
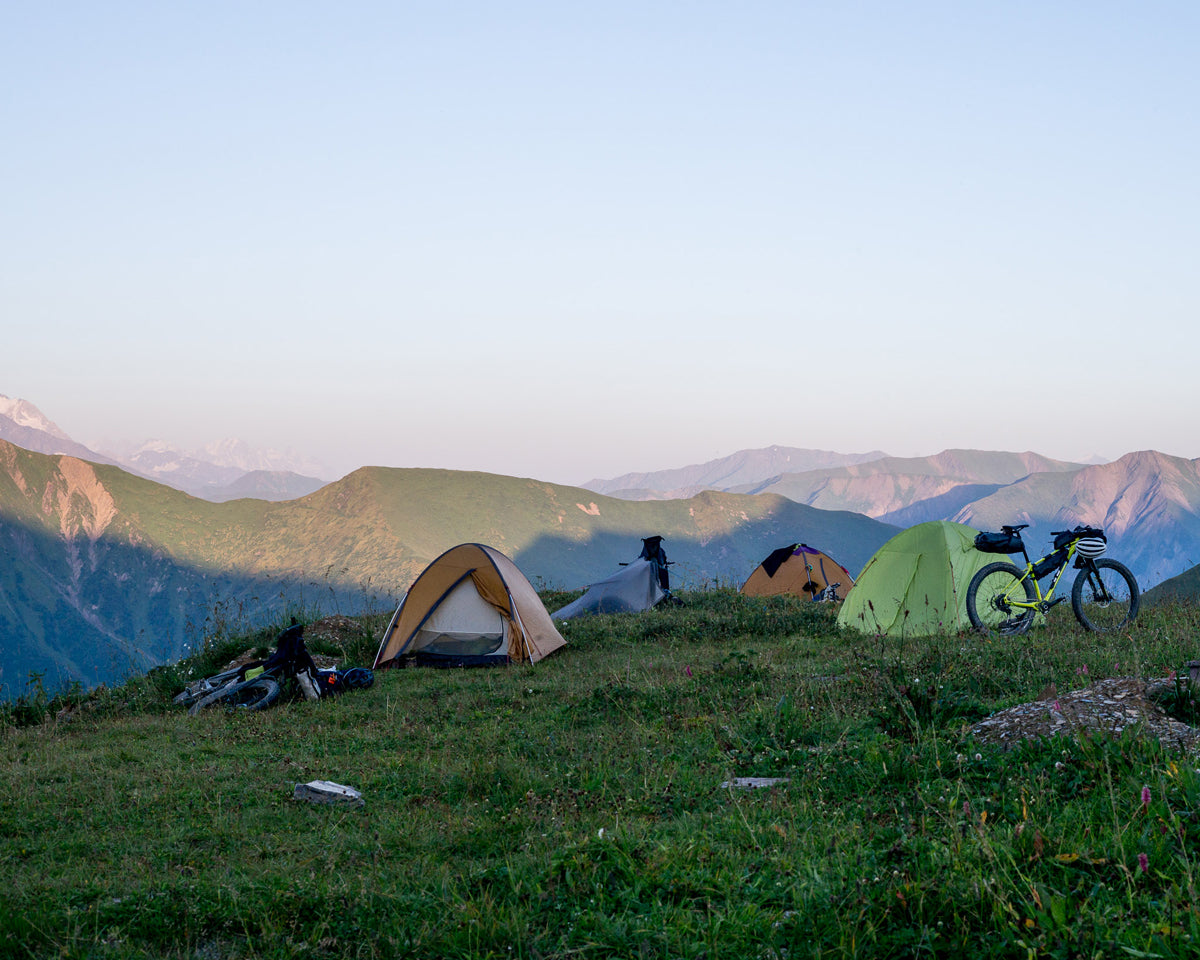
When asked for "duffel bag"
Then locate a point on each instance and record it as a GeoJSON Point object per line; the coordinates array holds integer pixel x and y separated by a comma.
{"type": "Point", "coordinates": [999, 543]}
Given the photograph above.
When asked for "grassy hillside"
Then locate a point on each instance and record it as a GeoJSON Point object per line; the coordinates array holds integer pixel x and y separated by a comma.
{"type": "Point", "coordinates": [578, 808]}
{"type": "Point", "coordinates": [1185, 588]}
{"type": "Point", "coordinates": [111, 573]}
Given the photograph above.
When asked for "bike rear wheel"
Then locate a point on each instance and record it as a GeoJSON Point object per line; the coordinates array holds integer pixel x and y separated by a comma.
{"type": "Point", "coordinates": [989, 595]}
{"type": "Point", "coordinates": [1105, 596]}
{"type": "Point", "coordinates": [256, 694]}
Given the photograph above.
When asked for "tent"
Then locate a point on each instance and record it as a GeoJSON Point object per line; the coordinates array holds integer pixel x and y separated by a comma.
{"type": "Point", "coordinates": [470, 607]}
{"type": "Point", "coordinates": [637, 586]}
{"type": "Point", "coordinates": [631, 589]}
{"type": "Point", "coordinates": [800, 570]}
{"type": "Point", "coordinates": [916, 583]}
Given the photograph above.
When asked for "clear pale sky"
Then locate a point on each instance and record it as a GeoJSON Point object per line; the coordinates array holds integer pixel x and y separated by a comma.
{"type": "Point", "coordinates": [570, 240]}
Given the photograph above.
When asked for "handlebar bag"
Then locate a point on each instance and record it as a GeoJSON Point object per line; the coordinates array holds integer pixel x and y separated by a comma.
{"type": "Point", "coordinates": [1070, 536]}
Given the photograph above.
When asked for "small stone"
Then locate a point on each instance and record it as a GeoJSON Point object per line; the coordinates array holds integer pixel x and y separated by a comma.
{"type": "Point", "coordinates": [326, 791]}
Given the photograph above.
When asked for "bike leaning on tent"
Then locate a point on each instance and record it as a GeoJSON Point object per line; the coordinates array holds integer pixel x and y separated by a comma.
{"type": "Point", "coordinates": [1004, 598]}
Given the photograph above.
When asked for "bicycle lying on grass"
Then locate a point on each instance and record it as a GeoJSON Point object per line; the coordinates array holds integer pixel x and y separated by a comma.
{"type": "Point", "coordinates": [257, 685]}
{"type": "Point", "coordinates": [1002, 598]}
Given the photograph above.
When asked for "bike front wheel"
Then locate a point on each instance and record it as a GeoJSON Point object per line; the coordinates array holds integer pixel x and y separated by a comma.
{"type": "Point", "coordinates": [256, 694]}
{"type": "Point", "coordinates": [989, 600]}
{"type": "Point", "coordinates": [1105, 596]}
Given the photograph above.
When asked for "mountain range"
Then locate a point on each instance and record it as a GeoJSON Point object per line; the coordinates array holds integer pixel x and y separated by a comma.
{"type": "Point", "coordinates": [225, 470]}
{"type": "Point", "coordinates": [114, 564]}
{"type": "Point", "coordinates": [1147, 502]}
{"type": "Point", "coordinates": [107, 572]}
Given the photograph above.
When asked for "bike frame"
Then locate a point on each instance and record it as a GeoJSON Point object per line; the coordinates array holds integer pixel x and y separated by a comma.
{"type": "Point", "coordinates": [1046, 600]}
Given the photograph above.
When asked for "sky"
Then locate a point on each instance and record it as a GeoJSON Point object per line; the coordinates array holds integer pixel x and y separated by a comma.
{"type": "Point", "coordinates": [569, 241]}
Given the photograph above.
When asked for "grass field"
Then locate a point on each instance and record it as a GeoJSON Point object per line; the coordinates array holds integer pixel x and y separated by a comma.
{"type": "Point", "coordinates": [577, 809]}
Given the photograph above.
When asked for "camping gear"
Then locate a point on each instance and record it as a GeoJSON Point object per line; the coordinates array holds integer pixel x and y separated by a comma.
{"type": "Point", "coordinates": [652, 550]}
{"type": "Point", "coordinates": [1007, 541]}
{"type": "Point", "coordinates": [916, 584]}
{"type": "Point", "coordinates": [470, 607]}
{"type": "Point", "coordinates": [637, 586]}
{"type": "Point", "coordinates": [802, 571]}
{"type": "Point", "coordinates": [257, 684]}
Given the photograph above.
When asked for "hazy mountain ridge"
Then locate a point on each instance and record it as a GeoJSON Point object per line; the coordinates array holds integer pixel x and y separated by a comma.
{"type": "Point", "coordinates": [742, 467]}
{"type": "Point", "coordinates": [219, 481]}
{"type": "Point", "coordinates": [110, 572]}
{"type": "Point", "coordinates": [224, 470]}
{"type": "Point", "coordinates": [23, 424]}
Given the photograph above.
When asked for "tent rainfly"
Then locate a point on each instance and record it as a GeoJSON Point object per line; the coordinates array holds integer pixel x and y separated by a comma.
{"type": "Point", "coordinates": [800, 570]}
{"type": "Point", "coordinates": [631, 589]}
{"type": "Point", "coordinates": [470, 607]}
{"type": "Point", "coordinates": [916, 584]}
{"type": "Point", "coordinates": [637, 586]}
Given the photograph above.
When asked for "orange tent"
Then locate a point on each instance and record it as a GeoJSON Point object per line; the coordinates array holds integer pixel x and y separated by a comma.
{"type": "Point", "coordinates": [800, 570]}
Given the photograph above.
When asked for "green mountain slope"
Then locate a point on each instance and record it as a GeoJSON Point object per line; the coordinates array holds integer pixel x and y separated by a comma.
{"type": "Point", "coordinates": [108, 573]}
{"type": "Point", "coordinates": [1184, 586]}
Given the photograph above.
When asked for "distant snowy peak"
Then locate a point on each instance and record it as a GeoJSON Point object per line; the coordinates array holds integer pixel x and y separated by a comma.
{"type": "Point", "coordinates": [25, 414]}
{"type": "Point", "coordinates": [232, 452]}
{"type": "Point", "coordinates": [226, 458]}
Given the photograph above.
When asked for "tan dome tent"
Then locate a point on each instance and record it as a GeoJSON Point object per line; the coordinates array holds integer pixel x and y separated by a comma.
{"type": "Point", "coordinates": [470, 607]}
{"type": "Point", "coordinates": [800, 570]}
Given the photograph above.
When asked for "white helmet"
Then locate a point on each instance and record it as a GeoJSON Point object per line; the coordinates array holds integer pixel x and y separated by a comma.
{"type": "Point", "coordinates": [1090, 547]}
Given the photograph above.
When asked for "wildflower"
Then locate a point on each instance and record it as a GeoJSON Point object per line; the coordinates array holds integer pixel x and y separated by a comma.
{"type": "Point", "coordinates": [1057, 707]}
{"type": "Point", "coordinates": [688, 671]}
{"type": "Point", "coordinates": [1143, 863]}
{"type": "Point", "coordinates": [1145, 799]}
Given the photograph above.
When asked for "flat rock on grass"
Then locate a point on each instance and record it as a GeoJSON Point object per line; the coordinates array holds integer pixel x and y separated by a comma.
{"type": "Point", "coordinates": [1111, 706]}
{"type": "Point", "coordinates": [326, 791]}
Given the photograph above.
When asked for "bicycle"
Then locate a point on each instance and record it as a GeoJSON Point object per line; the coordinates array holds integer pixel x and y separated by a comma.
{"type": "Point", "coordinates": [1002, 598]}
{"type": "Point", "coordinates": [257, 685]}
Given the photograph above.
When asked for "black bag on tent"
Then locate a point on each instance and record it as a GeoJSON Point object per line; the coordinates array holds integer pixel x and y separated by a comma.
{"type": "Point", "coordinates": [652, 550]}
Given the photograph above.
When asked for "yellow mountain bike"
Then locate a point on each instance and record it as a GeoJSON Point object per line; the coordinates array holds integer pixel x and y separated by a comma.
{"type": "Point", "coordinates": [1002, 598]}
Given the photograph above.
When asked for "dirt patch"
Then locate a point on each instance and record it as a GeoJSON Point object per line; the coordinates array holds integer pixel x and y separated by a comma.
{"type": "Point", "coordinates": [336, 629]}
{"type": "Point", "coordinates": [1113, 706]}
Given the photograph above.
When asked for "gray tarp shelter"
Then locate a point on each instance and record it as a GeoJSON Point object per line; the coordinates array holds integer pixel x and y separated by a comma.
{"type": "Point", "coordinates": [631, 589]}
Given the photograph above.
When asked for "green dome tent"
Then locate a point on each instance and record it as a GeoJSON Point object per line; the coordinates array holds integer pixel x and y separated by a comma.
{"type": "Point", "coordinates": [916, 583]}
